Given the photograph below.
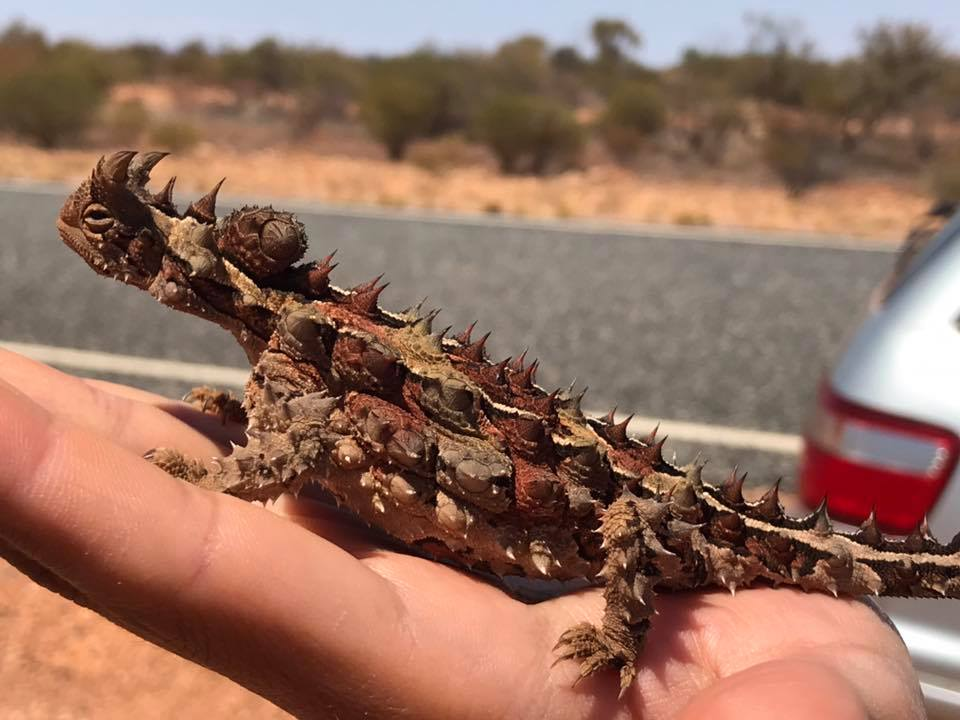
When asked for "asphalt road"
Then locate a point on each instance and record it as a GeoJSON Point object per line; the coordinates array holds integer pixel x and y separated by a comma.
{"type": "Point", "coordinates": [717, 332]}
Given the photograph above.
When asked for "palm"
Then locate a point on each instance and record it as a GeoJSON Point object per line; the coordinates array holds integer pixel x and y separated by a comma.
{"type": "Point", "coordinates": [323, 620]}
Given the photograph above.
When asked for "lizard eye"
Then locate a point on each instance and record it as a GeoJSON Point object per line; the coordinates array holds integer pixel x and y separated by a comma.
{"type": "Point", "coordinates": [97, 219]}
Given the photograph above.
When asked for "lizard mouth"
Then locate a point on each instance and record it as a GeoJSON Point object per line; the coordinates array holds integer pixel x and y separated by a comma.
{"type": "Point", "coordinates": [77, 241]}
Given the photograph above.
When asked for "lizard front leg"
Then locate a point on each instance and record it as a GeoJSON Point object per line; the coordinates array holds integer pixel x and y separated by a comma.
{"type": "Point", "coordinates": [221, 403]}
{"type": "Point", "coordinates": [634, 563]}
{"type": "Point", "coordinates": [287, 438]}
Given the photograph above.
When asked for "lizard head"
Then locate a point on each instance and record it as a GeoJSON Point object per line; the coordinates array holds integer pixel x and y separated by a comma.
{"type": "Point", "coordinates": [124, 231]}
{"type": "Point", "coordinates": [108, 219]}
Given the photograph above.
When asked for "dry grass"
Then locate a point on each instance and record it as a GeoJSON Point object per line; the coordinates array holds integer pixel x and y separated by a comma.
{"type": "Point", "coordinates": [879, 210]}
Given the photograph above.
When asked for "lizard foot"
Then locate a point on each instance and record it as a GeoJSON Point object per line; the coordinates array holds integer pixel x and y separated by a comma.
{"type": "Point", "coordinates": [177, 464]}
{"type": "Point", "coordinates": [598, 648]}
{"type": "Point", "coordinates": [217, 402]}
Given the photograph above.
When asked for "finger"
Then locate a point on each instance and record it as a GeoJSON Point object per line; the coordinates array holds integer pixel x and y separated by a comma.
{"type": "Point", "coordinates": [136, 425]}
{"type": "Point", "coordinates": [39, 574]}
{"type": "Point", "coordinates": [786, 690]}
{"type": "Point", "coordinates": [323, 518]}
{"type": "Point", "coordinates": [126, 391]}
{"type": "Point", "coordinates": [698, 639]}
{"type": "Point", "coordinates": [215, 579]}
{"type": "Point", "coordinates": [221, 431]}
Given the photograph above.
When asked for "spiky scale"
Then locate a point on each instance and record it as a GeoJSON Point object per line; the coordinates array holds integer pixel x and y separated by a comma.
{"type": "Point", "coordinates": [768, 506]}
{"type": "Point", "coordinates": [617, 432]}
{"type": "Point", "coordinates": [530, 429]}
{"type": "Point", "coordinates": [464, 337]}
{"type": "Point", "coordinates": [143, 163]}
{"type": "Point", "coordinates": [732, 488]}
{"type": "Point", "coordinates": [869, 533]}
{"type": "Point", "coordinates": [205, 209]}
{"type": "Point", "coordinates": [164, 198]}
{"type": "Point", "coordinates": [920, 538]}
{"type": "Point", "coordinates": [528, 376]}
{"type": "Point", "coordinates": [656, 451]}
{"type": "Point", "coordinates": [545, 405]}
{"type": "Point", "coordinates": [474, 351]}
{"type": "Point", "coordinates": [115, 167]}
{"type": "Point", "coordinates": [821, 519]}
{"type": "Point", "coordinates": [694, 471]}
{"type": "Point", "coordinates": [651, 437]}
{"type": "Point", "coordinates": [572, 403]}
{"type": "Point", "coordinates": [364, 298]}
{"type": "Point", "coordinates": [369, 285]}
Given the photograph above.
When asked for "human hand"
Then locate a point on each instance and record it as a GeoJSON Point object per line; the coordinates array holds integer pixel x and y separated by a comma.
{"type": "Point", "coordinates": [313, 613]}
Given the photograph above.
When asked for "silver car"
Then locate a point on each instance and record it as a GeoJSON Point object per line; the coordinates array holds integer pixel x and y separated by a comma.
{"type": "Point", "coordinates": [886, 432]}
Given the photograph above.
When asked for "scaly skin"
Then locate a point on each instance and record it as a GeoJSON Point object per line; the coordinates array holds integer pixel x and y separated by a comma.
{"type": "Point", "coordinates": [460, 458]}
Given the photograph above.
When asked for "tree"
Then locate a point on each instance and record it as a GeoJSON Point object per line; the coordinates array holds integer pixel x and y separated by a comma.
{"type": "Point", "coordinates": [522, 65]}
{"type": "Point", "coordinates": [778, 65]}
{"type": "Point", "coordinates": [567, 59]}
{"type": "Point", "coordinates": [194, 62]}
{"type": "Point", "coordinates": [274, 65]}
{"type": "Point", "coordinates": [20, 47]}
{"type": "Point", "coordinates": [613, 40]}
{"type": "Point", "coordinates": [899, 64]}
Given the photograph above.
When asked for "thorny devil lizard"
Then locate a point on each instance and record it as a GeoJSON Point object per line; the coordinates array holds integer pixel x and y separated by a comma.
{"type": "Point", "coordinates": [460, 458]}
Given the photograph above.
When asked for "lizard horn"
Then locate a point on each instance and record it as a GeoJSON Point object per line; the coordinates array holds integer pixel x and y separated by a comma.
{"type": "Point", "coordinates": [115, 167]}
{"type": "Point", "coordinates": [205, 209]}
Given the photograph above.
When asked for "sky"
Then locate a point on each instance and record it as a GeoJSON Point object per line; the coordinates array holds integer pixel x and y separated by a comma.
{"type": "Point", "coordinates": [386, 27]}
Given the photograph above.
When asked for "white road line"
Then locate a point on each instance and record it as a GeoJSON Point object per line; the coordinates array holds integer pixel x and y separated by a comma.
{"type": "Point", "coordinates": [723, 435]}
{"type": "Point", "coordinates": [572, 226]}
{"type": "Point", "coordinates": [200, 373]}
{"type": "Point", "coordinates": [131, 365]}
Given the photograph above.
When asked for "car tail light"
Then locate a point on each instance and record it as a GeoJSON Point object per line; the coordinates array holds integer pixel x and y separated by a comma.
{"type": "Point", "coordinates": [859, 458]}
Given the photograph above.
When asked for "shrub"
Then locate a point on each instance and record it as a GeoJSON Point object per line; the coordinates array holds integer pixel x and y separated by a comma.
{"type": "Point", "coordinates": [127, 122]}
{"type": "Point", "coordinates": [712, 130]}
{"type": "Point", "coordinates": [692, 218]}
{"type": "Point", "coordinates": [51, 103]}
{"type": "Point", "coordinates": [634, 113]}
{"type": "Point", "coordinates": [411, 97]}
{"type": "Point", "coordinates": [329, 89]}
{"type": "Point", "coordinates": [445, 153]}
{"type": "Point", "coordinates": [396, 110]}
{"type": "Point", "coordinates": [529, 133]}
{"type": "Point", "coordinates": [799, 153]}
{"type": "Point", "coordinates": [174, 136]}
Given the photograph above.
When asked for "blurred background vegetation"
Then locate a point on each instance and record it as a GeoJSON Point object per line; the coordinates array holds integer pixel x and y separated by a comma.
{"type": "Point", "coordinates": [776, 108]}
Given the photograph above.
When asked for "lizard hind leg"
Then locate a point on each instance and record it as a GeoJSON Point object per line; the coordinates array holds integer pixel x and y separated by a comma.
{"type": "Point", "coordinates": [223, 475]}
{"type": "Point", "coordinates": [632, 566]}
{"type": "Point", "coordinates": [265, 467]}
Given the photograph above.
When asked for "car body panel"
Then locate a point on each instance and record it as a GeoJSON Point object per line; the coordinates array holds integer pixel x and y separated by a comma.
{"type": "Point", "coordinates": [904, 360]}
